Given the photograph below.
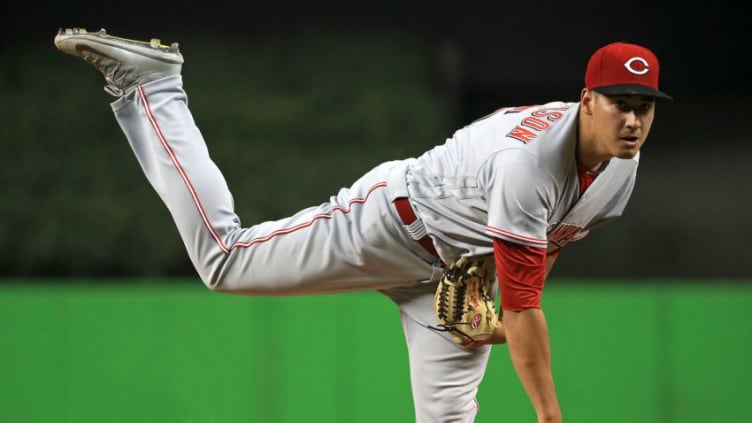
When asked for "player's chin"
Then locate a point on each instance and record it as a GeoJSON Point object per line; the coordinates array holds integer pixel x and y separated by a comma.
{"type": "Point", "coordinates": [627, 154]}
{"type": "Point", "coordinates": [628, 149]}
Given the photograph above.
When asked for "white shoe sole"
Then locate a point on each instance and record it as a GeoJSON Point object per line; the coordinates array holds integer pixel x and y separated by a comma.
{"type": "Point", "coordinates": [77, 41]}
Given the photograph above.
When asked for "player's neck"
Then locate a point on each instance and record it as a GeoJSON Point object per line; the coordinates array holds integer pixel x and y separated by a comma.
{"type": "Point", "coordinates": [587, 152]}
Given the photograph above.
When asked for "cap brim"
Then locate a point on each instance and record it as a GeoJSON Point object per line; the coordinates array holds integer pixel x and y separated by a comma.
{"type": "Point", "coordinates": [632, 89]}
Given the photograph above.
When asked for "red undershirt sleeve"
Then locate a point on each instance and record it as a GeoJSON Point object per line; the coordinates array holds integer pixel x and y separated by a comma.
{"type": "Point", "coordinates": [521, 271]}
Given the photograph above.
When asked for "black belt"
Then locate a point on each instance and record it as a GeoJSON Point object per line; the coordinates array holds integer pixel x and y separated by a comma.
{"type": "Point", "coordinates": [408, 216]}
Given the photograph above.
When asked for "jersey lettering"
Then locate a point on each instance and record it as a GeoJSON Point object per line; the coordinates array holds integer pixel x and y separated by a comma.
{"type": "Point", "coordinates": [522, 134]}
{"type": "Point", "coordinates": [538, 121]}
{"type": "Point", "coordinates": [535, 123]}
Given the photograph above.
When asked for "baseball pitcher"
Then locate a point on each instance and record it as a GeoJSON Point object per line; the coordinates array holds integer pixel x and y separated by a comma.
{"type": "Point", "coordinates": [481, 216]}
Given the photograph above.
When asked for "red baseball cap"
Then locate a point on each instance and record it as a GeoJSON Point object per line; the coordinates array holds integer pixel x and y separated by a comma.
{"type": "Point", "coordinates": [624, 69]}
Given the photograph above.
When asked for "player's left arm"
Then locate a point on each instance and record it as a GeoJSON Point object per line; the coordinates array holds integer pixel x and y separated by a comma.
{"type": "Point", "coordinates": [522, 271]}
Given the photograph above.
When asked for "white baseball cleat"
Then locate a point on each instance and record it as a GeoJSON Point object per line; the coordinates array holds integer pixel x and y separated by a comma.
{"type": "Point", "coordinates": [125, 64]}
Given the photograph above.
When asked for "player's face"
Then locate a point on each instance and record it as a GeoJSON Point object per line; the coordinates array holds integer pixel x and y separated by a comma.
{"type": "Point", "coordinates": [622, 123]}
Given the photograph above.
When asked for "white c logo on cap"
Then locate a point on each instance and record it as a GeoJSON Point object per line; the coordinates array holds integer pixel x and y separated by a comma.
{"type": "Point", "coordinates": [629, 67]}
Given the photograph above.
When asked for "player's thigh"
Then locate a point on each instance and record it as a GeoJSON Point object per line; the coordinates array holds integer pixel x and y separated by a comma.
{"type": "Point", "coordinates": [444, 376]}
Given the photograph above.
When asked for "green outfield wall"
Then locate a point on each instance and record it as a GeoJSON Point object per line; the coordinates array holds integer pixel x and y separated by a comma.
{"type": "Point", "coordinates": [170, 351]}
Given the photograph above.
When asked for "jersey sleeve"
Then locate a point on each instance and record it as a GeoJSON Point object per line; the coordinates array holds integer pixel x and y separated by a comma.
{"type": "Point", "coordinates": [518, 194]}
{"type": "Point", "coordinates": [521, 271]}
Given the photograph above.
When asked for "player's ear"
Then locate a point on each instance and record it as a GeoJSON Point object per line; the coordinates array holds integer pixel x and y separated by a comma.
{"type": "Point", "coordinates": [587, 100]}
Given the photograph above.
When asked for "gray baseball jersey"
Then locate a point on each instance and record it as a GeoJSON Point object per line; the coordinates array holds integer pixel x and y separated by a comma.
{"type": "Point", "coordinates": [510, 175]}
{"type": "Point", "coordinates": [513, 175]}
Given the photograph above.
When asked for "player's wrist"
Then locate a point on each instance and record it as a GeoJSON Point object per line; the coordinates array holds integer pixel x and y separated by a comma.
{"type": "Point", "coordinates": [550, 416]}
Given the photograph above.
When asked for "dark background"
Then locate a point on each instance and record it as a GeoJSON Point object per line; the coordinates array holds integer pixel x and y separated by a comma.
{"type": "Point", "coordinates": [689, 216]}
{"type": "Point", "coordinates": [703, 48]}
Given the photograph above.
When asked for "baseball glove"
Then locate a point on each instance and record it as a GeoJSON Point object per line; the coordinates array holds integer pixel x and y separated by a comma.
{"type": "Point", "coordinates": [463, 303]}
